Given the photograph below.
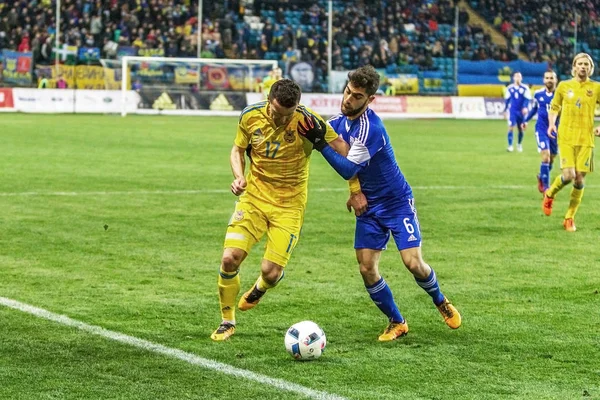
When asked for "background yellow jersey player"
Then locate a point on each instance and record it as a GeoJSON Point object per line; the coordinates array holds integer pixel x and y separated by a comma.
{"type": "Point", "coordinates": [274, 75]}
{"type": "Point", "coordinates": [272, 195]}
{"type": "Point", "coordinates": [576, 101]}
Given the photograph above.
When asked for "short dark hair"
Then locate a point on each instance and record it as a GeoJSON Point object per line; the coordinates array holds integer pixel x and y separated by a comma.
{"type": "Point", "coordinates": [365, 77]}
{"type": "Point", "coordinates": [286, 92]}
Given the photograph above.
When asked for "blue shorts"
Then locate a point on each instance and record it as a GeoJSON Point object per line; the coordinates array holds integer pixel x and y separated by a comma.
{"type": "Point", "coordinates": [545, 142]}
{"type": "Point", "coordinates": [515, 118]}
{"type": "Point", "coordinates": [374, 227]}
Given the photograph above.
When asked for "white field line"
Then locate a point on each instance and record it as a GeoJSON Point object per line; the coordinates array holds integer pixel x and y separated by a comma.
{"type": "Point", "coordinates": [218, 191]}
{"type": "Point", "coordinates": [170, 352]}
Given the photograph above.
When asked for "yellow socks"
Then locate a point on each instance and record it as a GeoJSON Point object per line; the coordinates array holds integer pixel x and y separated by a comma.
{"type": "Point", "coordinates": [229, 287]}
{"type": "Point", "coordinates": [576, 195]}
{"type": "Point", "coordinates": [557, 184]}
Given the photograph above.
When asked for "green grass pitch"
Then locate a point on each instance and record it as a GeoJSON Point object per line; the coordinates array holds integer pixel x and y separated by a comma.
{"type": "Point", "coordinates": [527, 290]}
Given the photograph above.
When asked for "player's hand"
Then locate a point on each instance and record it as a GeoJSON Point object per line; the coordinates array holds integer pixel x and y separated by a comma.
{"type": "Point", "coordinates": [505, 115]}
{"type": "Point", "coordinates": [524, 125]}
{"type": "Point", "coordinates": [238, 186]}
{"type": "Point", "coordinates": [597, 131]}
{"type": "Point", "coordinates": [552, 131]}
{"type": "Point", "coordinates": [525, 111]}
{"type": "Point", "coordinates": [358, 202]}
{"type": "Point", "coordinates": [313, 129]}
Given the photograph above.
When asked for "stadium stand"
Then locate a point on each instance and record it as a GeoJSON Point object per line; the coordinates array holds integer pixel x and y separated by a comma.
{"type": "Point", "coordinates": [404, 36]}
{"type": "Point", "coordinates": [543, 29]}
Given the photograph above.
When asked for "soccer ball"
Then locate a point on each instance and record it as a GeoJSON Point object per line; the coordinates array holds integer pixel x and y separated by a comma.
{"type": "Point", "coordinates": [305, 341]}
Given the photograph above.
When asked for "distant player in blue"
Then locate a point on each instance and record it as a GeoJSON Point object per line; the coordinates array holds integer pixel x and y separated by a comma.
{"type": "Point", "coordinates": [517, 98]}
{"type": "Point", "coordinates": [385, 204]}
{"type": "Point", "coordinates": [547, 146]}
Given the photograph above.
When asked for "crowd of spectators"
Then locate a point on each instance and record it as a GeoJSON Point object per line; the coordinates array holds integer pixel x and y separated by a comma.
{"type": "Point", "coordinates": [388, 34]}
{"type": "Point", "coordinates": [170, 25]}
{"type": "Point", "coordinates": [544, 30]}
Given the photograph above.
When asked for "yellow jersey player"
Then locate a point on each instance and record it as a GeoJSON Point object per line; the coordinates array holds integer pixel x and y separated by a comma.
{"type": "Point", "coordinates": [272, 195]}
{"type": "Point", "coordinates": [274, 75]}
{"type": "Point", "coordinates": [576, 101]}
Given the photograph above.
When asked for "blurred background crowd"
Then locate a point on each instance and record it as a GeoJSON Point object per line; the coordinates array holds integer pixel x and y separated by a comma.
{"type": "Point", "coordinates": [402, 36]}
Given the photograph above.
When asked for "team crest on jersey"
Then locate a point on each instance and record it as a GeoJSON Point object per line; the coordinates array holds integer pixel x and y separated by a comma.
{"type": "Point", "coordinates": [258, 133]}
{"type": "Point", "coordinates": [289, 136]}
{"type": "Point", "coordinates": [238, 215]}
{"type": "Point", "coordinates": [570, 94]}
{"type": "Point", "coordinates": [589, 93]}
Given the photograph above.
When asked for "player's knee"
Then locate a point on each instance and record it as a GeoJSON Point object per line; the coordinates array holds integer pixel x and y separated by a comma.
{"type": "Point", "coordinates": [414, 263]}
{"type": "Point", "coordinates": [271, 273]}
{"type": "Point", "coordinates": [231, 262]}
{"type": "Point", "coordinates": [367, 269]}
{"type": "Point", "coordinates": [545, 157]}
{"type": "Point", "coordinates": [568, 175]}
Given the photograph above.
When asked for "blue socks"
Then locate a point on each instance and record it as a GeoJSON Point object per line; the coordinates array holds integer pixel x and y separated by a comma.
{"type": "Point", "coordinates": [430, 285]}
{"type": "Point", "coordinates": [510, 138]}
{"type": "Point", "coordinates": [545, 174]}
{"type": "Point", "coordinates": [520, 136]}
{"type": "Point", "coordinates": [382, 297]}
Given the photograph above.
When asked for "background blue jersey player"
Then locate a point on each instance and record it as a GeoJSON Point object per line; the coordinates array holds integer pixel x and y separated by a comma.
{"type": "Point", "coordinates": [547, 146]}
{"type": "Point", "coordinates": [517, 98]}
{"type": "Point", "coordinates": [391, 207]}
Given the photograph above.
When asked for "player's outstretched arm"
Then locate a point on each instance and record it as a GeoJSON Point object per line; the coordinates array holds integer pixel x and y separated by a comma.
{"type": "Point", "coordinates": [532, 112]}
{"type": "Point", "coordinates": [314, 131]}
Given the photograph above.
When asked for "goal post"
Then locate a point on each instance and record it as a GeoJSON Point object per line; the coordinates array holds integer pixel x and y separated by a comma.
{"type": "Point", "coordinates": [187, 86]}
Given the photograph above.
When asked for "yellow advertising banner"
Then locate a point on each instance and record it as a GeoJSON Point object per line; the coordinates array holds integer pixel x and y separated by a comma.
{"type": "Point", "coordinates": [403, 84]}
{"type": "Point", "coordinates": [481, 90]}
{"type": "Point", "coordinates": [82, 77]}
{"type": "Point", "coordinates": [426, 105]}
{"type": "Point", "coordinates": [187, 74]}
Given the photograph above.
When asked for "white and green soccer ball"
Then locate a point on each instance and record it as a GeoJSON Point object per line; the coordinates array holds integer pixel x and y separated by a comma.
{"type": "Point", "coordinates": [305, 341]}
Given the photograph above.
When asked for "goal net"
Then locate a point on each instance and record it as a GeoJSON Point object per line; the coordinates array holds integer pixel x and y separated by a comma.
{"type": "Point", "coordinates": [186, 86]}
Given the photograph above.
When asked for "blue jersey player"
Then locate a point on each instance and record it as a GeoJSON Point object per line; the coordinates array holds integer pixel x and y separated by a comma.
{"type": "Point", "coordinates": [391, 206]}
{"type": "Point", "coordinates": [517, 98]}
{"type": "Point", "coordinates": [547, 146]}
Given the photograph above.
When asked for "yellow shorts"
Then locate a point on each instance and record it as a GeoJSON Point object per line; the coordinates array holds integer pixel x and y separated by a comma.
{"type": "Point", "coordinates": [579, 157]}
{"type": "Point", "coordinates": [253, 218]}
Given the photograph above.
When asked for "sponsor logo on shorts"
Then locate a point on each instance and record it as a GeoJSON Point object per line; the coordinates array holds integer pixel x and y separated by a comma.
{"type": "Point", "coordinates": [412, 238]}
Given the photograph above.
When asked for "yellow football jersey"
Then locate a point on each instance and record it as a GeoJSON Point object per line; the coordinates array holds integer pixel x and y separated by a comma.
{"type": "Point", "coordinates": [267, 83]}
{"type": "Point", "coordinates": [576, 102]}
{"type": "Point", "coordinates": [279, 157]}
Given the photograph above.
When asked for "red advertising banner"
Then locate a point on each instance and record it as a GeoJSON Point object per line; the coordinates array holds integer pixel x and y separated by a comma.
{"type": "Point", "coordinates": [389, 104]}
{"type": "Point", "coordinates": [6, 98]}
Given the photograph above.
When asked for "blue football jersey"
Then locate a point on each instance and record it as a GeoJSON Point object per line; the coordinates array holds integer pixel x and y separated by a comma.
{"type": "Point", "coordinates": [517, 97]}
{"type": "Point", "coordinates": [542, 100]}
{"type": "Point", "coordinates": [380, 177]}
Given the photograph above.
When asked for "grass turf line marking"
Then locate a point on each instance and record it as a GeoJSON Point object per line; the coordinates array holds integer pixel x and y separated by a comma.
{"type": "Point", "coordinates": [216, 191]}
{"type": "Point", "coordinates": [170, 352]}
